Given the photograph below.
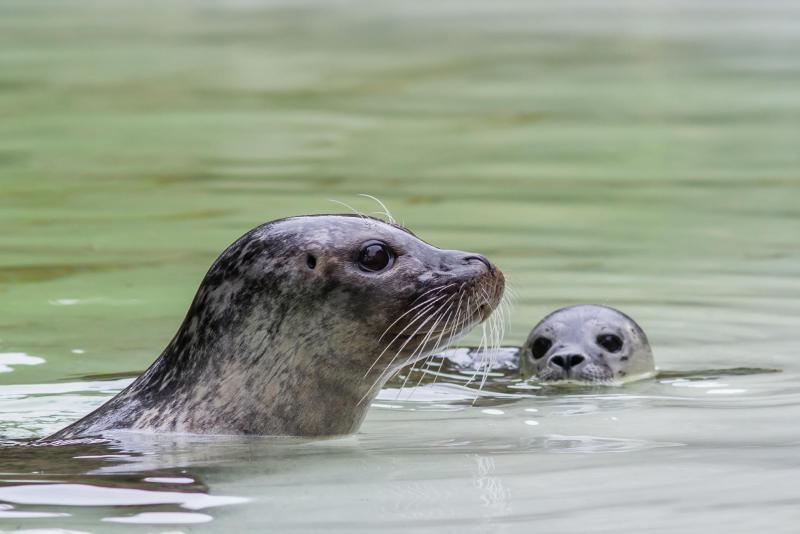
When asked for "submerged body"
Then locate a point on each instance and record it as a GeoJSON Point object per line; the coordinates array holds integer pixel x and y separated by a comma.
{"type": "Point", "coordinates": [297, 325]}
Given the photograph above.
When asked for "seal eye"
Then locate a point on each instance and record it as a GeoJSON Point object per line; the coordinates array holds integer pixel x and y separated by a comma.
{"type": "Point", "coordinates": [610, 342]}
{"type": "Point", "coordinates": [540, 347]}
{"type": "Point", "coordinates": [375, 256]}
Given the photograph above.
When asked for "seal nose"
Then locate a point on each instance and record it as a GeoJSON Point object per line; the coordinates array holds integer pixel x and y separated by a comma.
{"type": "Point", "coordinates": [481, 259]}
{"type": "Point", "coordinates": [567, 361]}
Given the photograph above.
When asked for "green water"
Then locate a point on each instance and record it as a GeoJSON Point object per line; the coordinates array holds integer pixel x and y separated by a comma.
{"type": "Point", "coordinates": [639, 154]}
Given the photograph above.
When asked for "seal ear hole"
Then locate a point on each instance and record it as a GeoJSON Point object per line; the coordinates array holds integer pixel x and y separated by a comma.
{"type": "Point", "coordinates": [610, 342]}
{"type": "Point", "coordinates": [540, 347]}
{"type": "Point", "coordinates": [311, 261]}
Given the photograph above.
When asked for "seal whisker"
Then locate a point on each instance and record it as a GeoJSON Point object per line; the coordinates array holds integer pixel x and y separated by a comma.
{"type": "Point", "coordinates": [436, 289]}
{"type": "Point", "coordinates": [419, 314]}
{"type": "Point", "coordinates": [447, 315]}
{"type": "Point", "coordinates": [480, 349]}
{"type": "Point", "coordinates": [420, 305]}
{"type": "Point", "coordinates": [498, 324]}
{"type": "Point", "coordinates": [441, 314]}
{"type": "Point", "coordinates": [488, 365]}
{"type": "Point", "coordinates": [487, 360]}
{"type": "Point", "coordinates": [453, 332]}
{"type": "Point", "coordinates": [487, 357]}
{"type": "Point", "coordinates": [382, 205]}
{"type": "Point", "coordinates": [410, 359]}
{"type": "Point", "coordinates": [450, 316]}
{"type": "Point", "coordinates": [383, 373]}
{"type": "Point", "coordinates": [363, 216]}
{"type": "Point", "coordinates": [431, 315]}
{"type": "Point", "coordinates": [466, 316]}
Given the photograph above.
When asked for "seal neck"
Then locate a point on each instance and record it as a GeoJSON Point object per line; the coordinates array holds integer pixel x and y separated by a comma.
{"type": "Point", "coordinates": [265, 387]}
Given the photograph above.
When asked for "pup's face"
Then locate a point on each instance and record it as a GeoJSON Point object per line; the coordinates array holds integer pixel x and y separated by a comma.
{"type": "Point", "coordinates": [587, 344]}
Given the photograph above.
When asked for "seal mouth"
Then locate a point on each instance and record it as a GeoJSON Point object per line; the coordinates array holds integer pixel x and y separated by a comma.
{"type": "Point", "coordinates": [578, 376]}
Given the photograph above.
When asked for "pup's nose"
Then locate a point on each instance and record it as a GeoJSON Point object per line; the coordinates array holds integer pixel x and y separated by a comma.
{"type": "Point", "coordinates": [567, 361]}
{"type": "Point", "coordinates": [482, 259]}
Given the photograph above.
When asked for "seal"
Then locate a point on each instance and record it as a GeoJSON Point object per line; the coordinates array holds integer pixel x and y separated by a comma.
{"type": "Point", "coordinates": [297, 325]}
{"type": "Point", "coordinates": [587, 344]}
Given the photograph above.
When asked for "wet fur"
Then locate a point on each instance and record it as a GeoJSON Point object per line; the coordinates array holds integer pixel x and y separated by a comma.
{"type": "Point", "coordinates": [270, 346]}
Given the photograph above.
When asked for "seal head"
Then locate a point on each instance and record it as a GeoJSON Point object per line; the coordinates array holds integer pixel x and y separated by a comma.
{"type": "Point", "coordinates": [297, 325]}
{"type": "Point", "coordinates": [587, 344]}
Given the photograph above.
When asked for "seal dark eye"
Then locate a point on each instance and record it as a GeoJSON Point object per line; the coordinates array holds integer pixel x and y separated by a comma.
{"type": "Point", "coordinates": [375, 256]}
{"type": "Point", "coordinates": [610, 342]}
{"type": "Point", "coordinates": [540, 347]}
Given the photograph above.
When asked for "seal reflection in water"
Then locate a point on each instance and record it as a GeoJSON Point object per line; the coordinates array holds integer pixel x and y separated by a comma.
{"type": "Point", "coordinates": [588, 344]}
{"type": "Point", "coordinates": [297, 325]}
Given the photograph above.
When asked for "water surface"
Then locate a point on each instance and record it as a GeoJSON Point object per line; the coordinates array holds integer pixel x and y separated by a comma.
{"type": "Point", "coordinates": [641, 155]}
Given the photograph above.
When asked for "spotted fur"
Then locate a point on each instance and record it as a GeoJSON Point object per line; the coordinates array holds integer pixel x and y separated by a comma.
{"type": "Point", "coordinates": [273, 345]}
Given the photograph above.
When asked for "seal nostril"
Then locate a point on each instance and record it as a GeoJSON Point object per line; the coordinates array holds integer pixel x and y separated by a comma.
{"type": "Point", "coordinates": [481, 259]}
{"type": "Point", "coordinates": [575, 360]}
{"type": "Point", "coordinates": [567, 362]}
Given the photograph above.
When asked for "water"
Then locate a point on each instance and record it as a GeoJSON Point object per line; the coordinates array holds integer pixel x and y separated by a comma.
{"type": "Point", "coordinates": [639, 154]}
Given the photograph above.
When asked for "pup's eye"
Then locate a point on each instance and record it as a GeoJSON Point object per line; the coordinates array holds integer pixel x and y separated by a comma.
{"type": "Point", "coordinates": [610, 342]}
{"type": "Point", "coordinates": [540, 347]}
{"type": "Point", "coordinates": [375, 256]}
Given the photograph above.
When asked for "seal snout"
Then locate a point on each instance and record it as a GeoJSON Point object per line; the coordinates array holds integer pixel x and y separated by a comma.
{"type": "Point", "coordinates": [567, 361]}
{"type": "Point", "coordinates": [488, 287]}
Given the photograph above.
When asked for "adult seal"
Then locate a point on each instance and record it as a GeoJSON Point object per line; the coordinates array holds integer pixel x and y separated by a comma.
{"type": "Point", "coordinates": [587, 344]}
{"type": "Point", "coordinates": [297, 325]}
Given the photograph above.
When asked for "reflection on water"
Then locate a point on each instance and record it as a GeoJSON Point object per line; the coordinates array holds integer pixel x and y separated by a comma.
{"type": "Point", "coordinates": [8, 359]}
{"type": "Point", "coordinates": [642, 155]}
{"type": "Point", "coordinates": [87, 495]}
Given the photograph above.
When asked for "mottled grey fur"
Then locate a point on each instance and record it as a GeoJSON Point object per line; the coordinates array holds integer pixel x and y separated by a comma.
{"type": "Point", "coordinates": [274, 346]}
{"type": "Point", "coordinates": [574, 331]}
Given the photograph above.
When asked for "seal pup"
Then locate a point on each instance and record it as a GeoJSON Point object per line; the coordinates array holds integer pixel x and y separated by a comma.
{"type": "Point", "coordinates": [297, 325]}
{"type": "Point", "coordinates": [587, 343]}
